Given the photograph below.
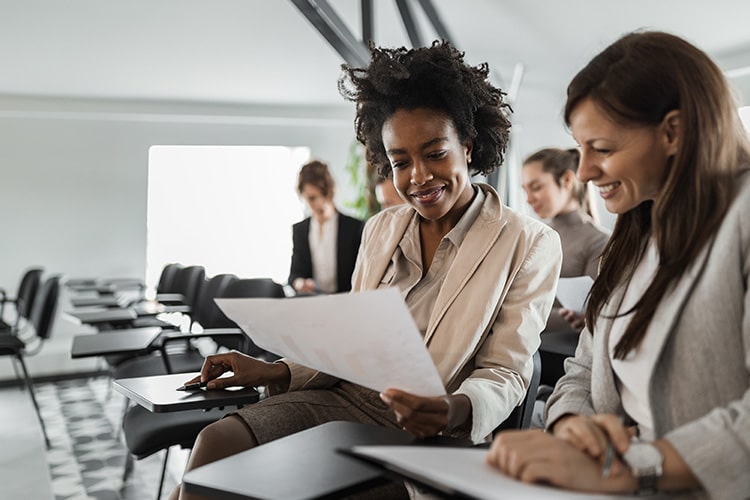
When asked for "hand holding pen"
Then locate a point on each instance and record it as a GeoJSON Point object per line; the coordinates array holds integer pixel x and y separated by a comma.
{"type": "Point", "coordinates": [246, 371]}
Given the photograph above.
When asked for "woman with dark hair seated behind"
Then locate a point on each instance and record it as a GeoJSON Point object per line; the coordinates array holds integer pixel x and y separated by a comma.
{"type": "Point", "coordinates": [478, 278]}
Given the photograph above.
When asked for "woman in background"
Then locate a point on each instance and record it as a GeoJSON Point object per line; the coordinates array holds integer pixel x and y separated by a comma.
{"type": "Point", "coordinates": [327, 242]}
{"type": "Point", "coordinates": [556, 195]}
{"type": "Point", "coordinates": [657, 397]}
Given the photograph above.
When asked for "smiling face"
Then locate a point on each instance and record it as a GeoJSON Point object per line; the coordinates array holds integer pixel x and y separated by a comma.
{"type": "Point", "coordinates": [544, 194]}
{"type": "Point", "coordinates": [430, 164]}
{"type": "Point", "coordinates": [627, 165]}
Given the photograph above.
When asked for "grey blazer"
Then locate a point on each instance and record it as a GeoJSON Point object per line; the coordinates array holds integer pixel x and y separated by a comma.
{"type": "Point", "coordinates": [700, 388]}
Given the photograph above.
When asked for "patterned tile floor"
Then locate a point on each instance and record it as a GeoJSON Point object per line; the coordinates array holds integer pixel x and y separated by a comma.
{"type": "Point", "coordinates": [87, 456]}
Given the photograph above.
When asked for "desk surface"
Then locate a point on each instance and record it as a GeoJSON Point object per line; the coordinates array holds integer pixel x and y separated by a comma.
{"type": "Point", "coordinates": [113, 316]}
{"type": "Point", "coordinates": [159, 393]}
{"type": "Point", "coordinates": [301, 466]}
{"type": "Point", "coordinates": [131, 341]}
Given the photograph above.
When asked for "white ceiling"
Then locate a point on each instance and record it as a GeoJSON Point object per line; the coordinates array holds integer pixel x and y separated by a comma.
{"type": "Point", "coordinates": [265, 51]}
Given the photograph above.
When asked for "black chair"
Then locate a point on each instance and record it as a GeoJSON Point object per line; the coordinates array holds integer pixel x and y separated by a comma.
{"type": "Point", "coordinates": [20, 343]}
{"type": "Point", "coordinates": [520, 417]}
{"type": "Point", "coordinates": [23, 300]}
{"type": "Point", "coordinates": [147, 433]}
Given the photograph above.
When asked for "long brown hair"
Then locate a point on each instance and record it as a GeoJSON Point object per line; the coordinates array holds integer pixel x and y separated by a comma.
{"type": "Point", "coordinates": [636, 81]}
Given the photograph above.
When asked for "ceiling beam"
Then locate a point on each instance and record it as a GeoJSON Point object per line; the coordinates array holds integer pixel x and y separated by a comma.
{"type": "Point", "coordinates": [334, 30]}
{"type": "Point", "coordinates": [367, 21]}
{"type": "Point", "coordinates": [412, 29]}
{"type": "Point", "coordinates": [434, 17]}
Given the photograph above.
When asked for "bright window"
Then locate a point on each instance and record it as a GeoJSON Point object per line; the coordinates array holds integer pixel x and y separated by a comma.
{"type": "Point", "coordinates": [227, 208]}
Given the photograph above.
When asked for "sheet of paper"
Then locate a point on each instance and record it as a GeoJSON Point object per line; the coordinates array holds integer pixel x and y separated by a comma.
{"type": "Point", "coordinates": [572, 292]}
{"type": "Point", "coordinates": [368, 338]}
{"type": "Point", "coordinates": [462, 470]}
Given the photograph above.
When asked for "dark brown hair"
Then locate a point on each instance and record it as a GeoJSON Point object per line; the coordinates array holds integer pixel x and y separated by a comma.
{"type": "Point", "coordinates": [316, 174]}
{"type": "Point", "coordinates": [636, 81]}
{"type": "Point", "coordinates": [433, 77]}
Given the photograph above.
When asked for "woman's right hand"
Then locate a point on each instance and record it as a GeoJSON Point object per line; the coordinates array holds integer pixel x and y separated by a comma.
{"type": "Point", "coordinates": [575, 320]}
{"type": "Point", "coordinates": [246, 371]}
{"type": "Point", "coordinates": [304, 285]}
{"type": "Point", "coordinates": [591, 434]}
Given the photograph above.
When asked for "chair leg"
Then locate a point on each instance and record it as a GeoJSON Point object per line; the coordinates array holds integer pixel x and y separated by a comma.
{"type": "Point", "coordinates": [129, 463]}
{"type": "Point", "coordinates": [18, 375]}
{"type": "Point", "coordinates": [163, 473]}
{"type": "Point", "coordinates": [30, 385]}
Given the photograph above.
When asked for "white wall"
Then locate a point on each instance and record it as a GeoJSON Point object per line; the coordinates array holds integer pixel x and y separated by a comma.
{"type": "Point", "coordinates": [73, 182]}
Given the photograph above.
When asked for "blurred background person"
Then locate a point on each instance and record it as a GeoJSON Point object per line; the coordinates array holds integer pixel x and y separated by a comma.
{"type": "Point", "coordinates": [326, 243]}
{"type": "Point", "coordinates": [386, 194]}
{"type": "Point", "coordinates": [554, 192]}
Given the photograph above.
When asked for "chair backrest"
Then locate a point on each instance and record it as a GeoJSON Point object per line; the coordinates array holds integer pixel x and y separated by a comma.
{"type": "Point", "coordinates": [167, 278]}
{"type": "Point", "coordinates": [44, 307]}
{"type": "Point", "coordinates": [27, 290]}
{"type": "Point", "coordinates": [255, 287]}
{"type": "Point", "coordinates": [188, 282]}
{"type": "Point", "coordinates": [520, 417]}
{"type": "Point", "coordinates": [249, 288]}
{"type": "Point", "coordinates": [206, 313]}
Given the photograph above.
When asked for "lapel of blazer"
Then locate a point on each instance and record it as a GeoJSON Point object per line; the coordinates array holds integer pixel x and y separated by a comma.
{"type": "Point", "coordinates": [662, 324]}
{"type": "Point", "coordinates": [476, 244]}
{"type": "Point", "coordinates": [382, 244]}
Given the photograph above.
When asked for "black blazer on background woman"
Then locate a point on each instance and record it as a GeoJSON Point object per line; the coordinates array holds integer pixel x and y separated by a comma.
{"type": "Point", "coordinates": [347, 246]}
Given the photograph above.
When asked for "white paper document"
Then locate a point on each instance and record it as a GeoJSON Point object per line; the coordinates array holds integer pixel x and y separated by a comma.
{"type": "Point", "coordinates": [461, 471]}
{"type": "Point", "coordinates": [368, 338]}
{"type": "Point", "coordinates": [572, 292]}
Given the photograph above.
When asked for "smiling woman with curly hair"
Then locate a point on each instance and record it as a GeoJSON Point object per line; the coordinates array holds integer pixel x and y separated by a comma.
{"type": "Point", "coordinates": [478, 279]}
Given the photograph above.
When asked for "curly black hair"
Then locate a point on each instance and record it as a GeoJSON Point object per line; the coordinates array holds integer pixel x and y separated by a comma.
{"type": "Point", "coordinates": [433, 77]}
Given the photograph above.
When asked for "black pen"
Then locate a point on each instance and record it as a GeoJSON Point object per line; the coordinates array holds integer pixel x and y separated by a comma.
{"type": "Point", "coordinates": [192, 387]}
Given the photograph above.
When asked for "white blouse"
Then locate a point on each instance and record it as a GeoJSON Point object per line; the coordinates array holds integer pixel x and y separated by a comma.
{"type": "Point", "coordinates": [322, 240]}
{"type": "Point", "coordinates": [633, 374]}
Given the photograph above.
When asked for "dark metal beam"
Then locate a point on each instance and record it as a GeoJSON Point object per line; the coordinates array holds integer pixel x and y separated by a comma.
{"type": "Point", "coordinates": [434, 17]}
{"type": "Point", "coordinates": [333, 29]}
{"type": "Point", "coordinates": [367, 21]}
{"type": "Point", "coordinates": [412, 29]}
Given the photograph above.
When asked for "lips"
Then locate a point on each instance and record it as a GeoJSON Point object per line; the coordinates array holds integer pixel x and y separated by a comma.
{"type": "Point", "coordinates": [428, 196]}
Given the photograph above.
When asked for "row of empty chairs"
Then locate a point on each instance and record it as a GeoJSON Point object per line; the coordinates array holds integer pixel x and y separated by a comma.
{"type": "Point", "coordinates": [187, 291]}
{"type": "Point", "coordinates": [35, 305]}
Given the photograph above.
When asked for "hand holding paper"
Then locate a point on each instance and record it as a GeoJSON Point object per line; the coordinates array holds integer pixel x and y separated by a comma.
{"type": "Point", "coordinates": [572, 292]}
{"type": "Point", "coordinates": [368, 338]}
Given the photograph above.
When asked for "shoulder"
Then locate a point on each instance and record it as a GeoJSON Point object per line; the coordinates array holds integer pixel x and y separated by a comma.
{"type": "Point", "coordinates": [495, 212]}
{"type": "Point", "coordinates": [347, 219]}
{"type": "Point", "coordinates": [297, 226]}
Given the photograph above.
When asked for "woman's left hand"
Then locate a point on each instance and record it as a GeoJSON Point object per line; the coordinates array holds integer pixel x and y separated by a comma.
{"type": "Point", "coordinates": [425, 417]}
{"type": "Point", "coordinates": [538, 457]}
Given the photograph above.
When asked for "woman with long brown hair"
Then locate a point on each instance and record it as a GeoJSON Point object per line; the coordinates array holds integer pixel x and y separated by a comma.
{"type": "Point", "coordinates": [661, 376]}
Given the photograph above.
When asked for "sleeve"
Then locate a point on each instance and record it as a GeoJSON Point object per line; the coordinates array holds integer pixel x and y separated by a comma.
{"type": "Point", "coordinates": [596, 247]}
{"type": "Point", "coordinates": [572, 394]}
{"type": "Point", "coordinates": [505, 359]}
{"type": "Point", "coordinates": [300, 265]}
{"type": "Point", "coordinates": [716, 447]}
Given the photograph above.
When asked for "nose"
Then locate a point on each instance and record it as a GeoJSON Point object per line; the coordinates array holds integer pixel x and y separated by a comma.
{"type": "Point", "coordinates": [587, 168]}
{"type": "Point", "coordinates": [420, 173]}
{"type": "Point", "coordinates": [529, 197]}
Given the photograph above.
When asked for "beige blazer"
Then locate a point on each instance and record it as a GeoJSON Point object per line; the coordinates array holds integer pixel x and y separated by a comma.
{"type": "Point", "coordinates": [493, 304]}
{"type": "Point", "coordinates": [700, 388]}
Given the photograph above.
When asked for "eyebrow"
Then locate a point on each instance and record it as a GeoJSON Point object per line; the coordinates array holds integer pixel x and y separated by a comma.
{"type": "Point", "coordinates": [426, 145]}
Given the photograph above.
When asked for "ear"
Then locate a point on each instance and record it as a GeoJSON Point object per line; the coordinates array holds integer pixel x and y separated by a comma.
{"type": "Point", "coordinates": [671, 128]}
{"type": "Point", "coordinates": [469, 148]}
{"type": "Point", "coordinates": [567, 179]}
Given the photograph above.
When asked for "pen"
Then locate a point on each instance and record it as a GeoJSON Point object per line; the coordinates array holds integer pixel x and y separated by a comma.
{"type": "Point", "coordinates": [192, 387]}
{"type": "Point", "coordinates": [609, 455]}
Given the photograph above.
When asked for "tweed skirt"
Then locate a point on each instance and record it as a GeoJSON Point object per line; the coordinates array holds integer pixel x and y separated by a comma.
{"type": "Point", "coordinates": [290, 412]}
